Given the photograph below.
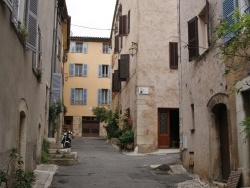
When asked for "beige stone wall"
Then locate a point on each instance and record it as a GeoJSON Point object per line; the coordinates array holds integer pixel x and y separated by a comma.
{"type": "Point", "coordinates": [19, 83]}
{"type": "Point", "coordinates": [203, 85]}
{"type": "Point", "coordinates": [153, 26]}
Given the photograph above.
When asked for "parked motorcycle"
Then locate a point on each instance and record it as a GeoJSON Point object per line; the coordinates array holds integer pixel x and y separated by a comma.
{"type": "Point", "coordinates": [66, 141]}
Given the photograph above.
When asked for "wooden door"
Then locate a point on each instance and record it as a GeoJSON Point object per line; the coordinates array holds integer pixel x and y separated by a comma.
{"type": "Point", "coordinates": [163, 128]}
{"type": "Point", "coordinates": [90, 128]}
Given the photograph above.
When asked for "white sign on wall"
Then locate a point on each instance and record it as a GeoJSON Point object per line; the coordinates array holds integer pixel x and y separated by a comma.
{"type": "Point", "coordinates": [143, 90]}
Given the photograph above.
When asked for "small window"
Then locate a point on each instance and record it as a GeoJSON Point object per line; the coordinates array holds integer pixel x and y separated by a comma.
{"type": "Point", "coordinates": [116, 44]}
{"type": "Point", "coordinates": [78, 48]}
{"type": "Point", "coordinates": [105, 48]}
{"type": "Point", "coordinates": [103, 97]}
{"type": "Point", "coordinates": [123, 26]}
{"type": "Point", "coordinates": [78, 70]}
{"type": "Point", "coordinates": [104, 71]}
{"type": "Point", "coordinates": [79, 96]}
{"type": "Point", "coordinates": [193, 40]}
{"type": "Point", "coordinates": [173, 55]}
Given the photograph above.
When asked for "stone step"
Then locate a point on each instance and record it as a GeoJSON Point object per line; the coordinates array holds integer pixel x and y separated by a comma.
{"type": "Point", "coordinates": [60, 150]}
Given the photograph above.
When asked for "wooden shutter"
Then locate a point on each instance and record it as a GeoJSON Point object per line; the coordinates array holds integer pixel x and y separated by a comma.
{"type": "Point", "coordinates": [117, 44]}
{"type": "Point", "coordinates": [56, 87]}
{"type": "Point", "coordinates": [128, 21]}
{"type": "Point", "coordinates": [32, 7]}
{"type": "Point", "coordinates": [109, 71]}
{"type": "Point", "coordinates": [72, 69]}
{"type": "Point", "coordinates": [73, 47]}
{"type": "Point", "coordinates": [85, 47]}
{"type": "Point", "coordinates": [228, 8]}
{"type": "Point", "coordinates": [173, 55]}
{"type": "Point", "coordinates": [124, 67]}
{"type": "Point", "coordinates": [72, 96]}
{"type": "Point", "coordinates": [15, 8]}
{"type": "Point", "coordinates": [85, 69]}
{"type": "Point", "coordinates": [99, 71]}
{"type": "Point", "coordinates": [99, 100]}
{"type": "Point", "coordinates": [193, 40]}
{"type": "Point", "coordinates": [123, 25]}
{"type": "Point", "coordinates": [85, 96]}
{"type": "Point", "coordinates": [116, 83]}
{"type": "Point", "coordinates": [9, 4]}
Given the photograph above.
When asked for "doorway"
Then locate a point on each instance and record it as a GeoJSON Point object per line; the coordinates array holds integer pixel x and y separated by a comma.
{"type": "Point", "coordinates": [220, 111]}
{"type": "Point", "coordinates": [168, 128]}
{"type": "Point", "coordinates": [22, 137]}
{"type": "Point", "coordinates": [90, 127]}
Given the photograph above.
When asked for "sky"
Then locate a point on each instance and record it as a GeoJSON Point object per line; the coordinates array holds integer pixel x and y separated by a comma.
{"type": "Point", "coordinates": [92, 14]}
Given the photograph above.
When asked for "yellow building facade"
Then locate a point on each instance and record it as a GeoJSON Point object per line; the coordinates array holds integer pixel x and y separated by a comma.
{"type": "Point", "coordinates": [87, 84]}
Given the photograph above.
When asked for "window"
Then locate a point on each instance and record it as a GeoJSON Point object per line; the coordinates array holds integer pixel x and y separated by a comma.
{"type": "Point", "coordinates": [103, 97]}
{"type": "Point", "coordinates": [116, 83]}
{"type": "Point", "coordinates": [37, 56]}
{"type": "Point", "coordinates": [103, 71]}
{"type": "Point", "coordinates": [128, 21]}
{"type": "Point", "coordinates": [193, 43]}
{"type": "Point", "coordinates": [79, 47]}
{"type": "Point", "coordinates": [116, 43]}
{"type": "Point", "coordinates": [247, 10]}
{"type": "Point", "coordinates": [123, 26]}
{"type": "Point", "coordinates": [228, 8]}
{"type": "Point", "coordinates": [123, 67]}
{"type": "Point", "coordinates": [78, 69]}
{"type": "Point", "coordinates": [105, 48]}
{"type": "Point", "coordinates": [79, 96]}
{"type": "Point", "coordinates": [198, 33]}
{"type": "Point", "coordinates": [173, 55]}
{"type": "Point", "coordinates": [59, 48]}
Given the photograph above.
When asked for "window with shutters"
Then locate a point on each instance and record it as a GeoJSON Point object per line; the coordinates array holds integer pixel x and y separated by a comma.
{"type": "Point", "coordinates": [103, 97]}
{"type": "Point", "coordinates": [37, 56]}
{"type": "Point", "coordinates": [123, 25]}
{"type": "Point", "coordinates": [204, 31]}
{"type": "Point", "coordinates": [103, 71]}
{"type": "Point", "coordinates": [105, 48]}
{"type": "Point", "coordinates": [247, 7]}
{"type": "Point", "coordinates": [85, 47]}
{"type": "Point", "coordinates": [193, 39]}
{"type": "Point", "coordinates": [79, 96]}
{"type": "Point", "coordinates": [116, 44]}
{"type": "Point", "coordinates": [78, 69]}
{"type": "Point", "coordinates": [173, 55]}
{"type": "Point", "coordinates": [56, 87]}
{"type": "Point", "coordinates": [116, 83]}
{"type": "Point", "coordinates": [78, 47]}
{"type": "Point", "coordinates": [123, 67]}
{"type": "Point", "coordinates": [228, 9]}
{"type": "Point", "coordinates": [128, 21]}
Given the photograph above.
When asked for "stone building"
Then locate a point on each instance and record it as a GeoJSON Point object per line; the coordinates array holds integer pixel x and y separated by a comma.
{"type": "Point", "coordinates": [87, 84]}
{"type": "Point", "coordinates": [210, 114]}
{"type": "Point", "coordinates": [145, 70]}
{"type": "Point", "coordinates": [26, 53]}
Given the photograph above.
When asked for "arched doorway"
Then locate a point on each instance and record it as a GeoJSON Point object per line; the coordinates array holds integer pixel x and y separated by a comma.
{"type": "Point", "coordinates": [39, 145]}
{"type": "Point", "coordinates": [221, 120]}
{"type": "Point", "coordinates": [22, 137]}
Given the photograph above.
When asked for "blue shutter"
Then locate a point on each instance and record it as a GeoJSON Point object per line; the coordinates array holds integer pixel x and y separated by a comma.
{"type": "Point", "coordinates": [109, 97]}
{"type": "Point", "coordinates": [72, 69]}
{"type": "Point", "coordinates": [72, 98]}
{"type": "Point", "coordinates": [32, 8]}
{"type": "Point", "coordinates": [85, 96]}
{"type": "Point", "coordinates": [85, 69]}
{"type": "Point", "coordinates": [56, 87]}
{"type": "Point", "coordinates": [99, 96]}
{"type": "Point", "coordinates": [85, 47]}
{"type": "Point", "coordinates": [73, 47]}
{"type": "Point", "coordinates": [99, 71]}
{"type": "Point", "coordinates": [109, 71]}
{"type": "Point", "coordinates": [228, 8]}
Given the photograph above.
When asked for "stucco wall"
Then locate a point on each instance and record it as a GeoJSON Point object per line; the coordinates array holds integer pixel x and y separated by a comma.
{"type": "Point", "coordinates": [18, 82]}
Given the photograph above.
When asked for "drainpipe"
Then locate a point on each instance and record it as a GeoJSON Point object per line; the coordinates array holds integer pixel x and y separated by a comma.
{"type": "Point", "coordinates": [53, 59]}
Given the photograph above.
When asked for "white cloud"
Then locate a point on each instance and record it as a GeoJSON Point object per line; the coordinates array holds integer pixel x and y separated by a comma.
{"type": "Point", "coordinates": [92, 14]}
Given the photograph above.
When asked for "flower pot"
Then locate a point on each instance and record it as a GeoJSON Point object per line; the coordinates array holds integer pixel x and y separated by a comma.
{"type": "Point", "coordinates": [129, 146]}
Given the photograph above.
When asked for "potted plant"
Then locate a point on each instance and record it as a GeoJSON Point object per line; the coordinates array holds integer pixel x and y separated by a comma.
{"type": "Point", "coordinates": [127, 140]}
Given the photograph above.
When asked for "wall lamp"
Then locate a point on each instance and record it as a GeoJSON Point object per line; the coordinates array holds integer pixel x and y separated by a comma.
{"type": "Point", "coordinates": [133, 49]}
{"type": "Point", "coordinates": [66, 76]}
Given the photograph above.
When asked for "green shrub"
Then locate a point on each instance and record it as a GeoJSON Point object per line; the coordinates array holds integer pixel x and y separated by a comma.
{"type": "Point", "coordinates": [45, 152]}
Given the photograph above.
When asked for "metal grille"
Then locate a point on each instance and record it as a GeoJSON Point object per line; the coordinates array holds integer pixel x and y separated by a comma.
{"type": "Point", "coordinates": [33, 6]}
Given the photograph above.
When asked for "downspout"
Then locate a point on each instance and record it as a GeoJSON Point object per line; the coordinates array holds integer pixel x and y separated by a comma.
{"type": "Point", "coordinates": [180, 79]}
{"type": "Point", "coordinates": [53, 61]}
